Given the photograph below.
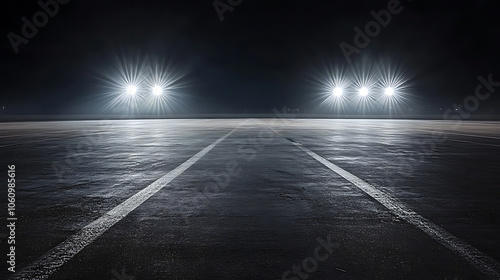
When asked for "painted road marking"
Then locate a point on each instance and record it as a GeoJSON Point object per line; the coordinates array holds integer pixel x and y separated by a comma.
{"type": "Point", "coordinates": [478, 259]}
{"type": "Point", "coordinates": [58, 256]}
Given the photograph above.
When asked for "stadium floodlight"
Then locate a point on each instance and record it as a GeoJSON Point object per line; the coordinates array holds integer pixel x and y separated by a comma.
{"type": "Point", "coordinates": [363, 91]}
{"type": "Point", "coordinates": [131, 90]}
{"type": "Point", "coordinates": [389, 91]}
{"type": "Point", "coordinates": [337, 91]}
{"type": "Point", "coordinates": [157, 90]}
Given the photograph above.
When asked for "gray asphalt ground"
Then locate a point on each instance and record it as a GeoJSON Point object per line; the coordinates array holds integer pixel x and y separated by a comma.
{"type": "Point", "coordinates": [261, 203]}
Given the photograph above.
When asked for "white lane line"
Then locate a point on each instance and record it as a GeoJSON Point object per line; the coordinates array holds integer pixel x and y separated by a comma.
{"type": "Point", "coordinates": [478, 259]}
{"type": "Point", "coordinates": [58, 256]}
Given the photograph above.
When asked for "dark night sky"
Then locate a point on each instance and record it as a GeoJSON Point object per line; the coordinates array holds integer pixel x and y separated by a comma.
{"type": "Point", "coordinates": [262, 56]}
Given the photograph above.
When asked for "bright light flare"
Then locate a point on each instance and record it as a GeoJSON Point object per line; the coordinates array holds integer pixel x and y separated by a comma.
{"type": "Point", "coordinates": [389, 91]}
{"type": "Point", "coordinates": [363, 91]}
{"type": "Point", "coordinates": [138, 84]}
{"type": "Point", "coordinates": [157, 90]}
{"type": "Point", "coordinates": [131, 90]}
{"type": "Point", "coordinates": [337, 92]}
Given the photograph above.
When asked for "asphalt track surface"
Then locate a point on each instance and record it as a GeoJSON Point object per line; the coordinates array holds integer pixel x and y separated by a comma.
{"type": "Point", "coordinates": [253, 199]}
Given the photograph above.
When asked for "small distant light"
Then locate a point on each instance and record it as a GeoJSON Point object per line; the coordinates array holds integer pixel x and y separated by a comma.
{"type": "Point", "coordinates": [363, 91]}
{"type": "Point", "coordinates": [389, 91]}
{"type": "Point", "coordinates": [157, 90]}
{"type": "Point", "coordinates": [131, 90]}
{"type": "Point", "coordinates": [337, 91]}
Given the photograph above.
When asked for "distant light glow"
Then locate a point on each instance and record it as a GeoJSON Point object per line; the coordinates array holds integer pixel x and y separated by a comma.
{"type": "Point", "coordinates": [337, 91]}
{"type": "Point", "coordinates": [157, 90]}
{"type": "Point", "coordinates": [131, 89]}
{"type": "Point", "coordinates": [363, 91]}
{"type": "Point", "coordinates": [389, 91]}
{"type": "Point", "coordinates": [365, 87]}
